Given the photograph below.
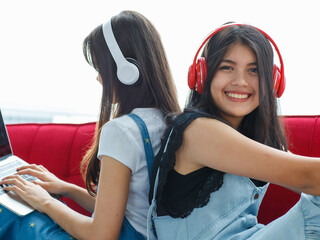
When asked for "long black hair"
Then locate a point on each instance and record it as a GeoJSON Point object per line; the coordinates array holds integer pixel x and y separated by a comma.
{"type": "Point", "coordinates": [262, 124]}
{"type": "Point", "coordinates": [137, 39]}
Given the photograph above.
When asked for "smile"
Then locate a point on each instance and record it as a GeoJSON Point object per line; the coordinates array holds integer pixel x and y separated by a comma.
{"type": "Point", "coordinates": [237, 95]}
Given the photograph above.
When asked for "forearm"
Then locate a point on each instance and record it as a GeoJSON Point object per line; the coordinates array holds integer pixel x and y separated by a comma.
{"type": "Point", "coordinates": [297, 173]}
{"type": "Point", "coordinates": [77, 225]}
{"type": "Point", "coordinates": [81, 196]}
{"type": "Point", "coordinates": [311, 177]}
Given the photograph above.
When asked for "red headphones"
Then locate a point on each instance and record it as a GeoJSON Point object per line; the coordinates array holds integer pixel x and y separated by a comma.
{"type": "Point", "coordinates": [198, 70]}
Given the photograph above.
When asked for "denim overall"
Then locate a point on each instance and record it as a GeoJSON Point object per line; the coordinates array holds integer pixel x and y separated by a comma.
{"type": "Point", "coordinates": [40, 226]}
{"type": "Point", "coordinates": [127, 230]}
{"type": "Point", "coordinates": [231, 214]}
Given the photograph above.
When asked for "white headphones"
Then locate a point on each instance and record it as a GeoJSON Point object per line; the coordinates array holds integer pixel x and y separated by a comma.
{"type": "Point", "coordinates": [127, 68]}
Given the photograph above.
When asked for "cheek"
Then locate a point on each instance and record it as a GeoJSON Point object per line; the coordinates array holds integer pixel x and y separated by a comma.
{"type": "Point", "coordinates": [217, 84]}
{"type": "Point", "coordinates": [216, 91]}
{"type": "Point", "coordinates": [213, 89]}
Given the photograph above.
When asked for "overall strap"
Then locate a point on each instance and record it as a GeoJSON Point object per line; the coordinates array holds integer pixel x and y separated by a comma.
{"type": "Point", "coordinates": [151, 234]}
{"type": "Point", "coordinates": [146, 141]}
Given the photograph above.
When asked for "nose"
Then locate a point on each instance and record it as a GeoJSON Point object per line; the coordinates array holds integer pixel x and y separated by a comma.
{"type": "Point", "coordinates": [240, 79]}
{"type": "Point", "coordinates": [99, 79]}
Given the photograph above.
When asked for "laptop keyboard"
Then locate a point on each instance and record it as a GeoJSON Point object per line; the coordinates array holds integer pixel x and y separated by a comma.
{"type": "Point", "coordinates": [10, 169]}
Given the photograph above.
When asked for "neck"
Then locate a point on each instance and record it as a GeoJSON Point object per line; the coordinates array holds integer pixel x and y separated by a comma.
{"type": "Point", "coordinates": [234, 122]}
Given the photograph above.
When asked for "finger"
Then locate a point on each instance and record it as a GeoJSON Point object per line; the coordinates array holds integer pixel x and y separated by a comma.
{"type": "Point", "coordinates": [14, 177]}
{"type": "Point", "coordinates": [26, 166]}
{"type": "Point", "coordinates": [9, 177]}
{"type": "Point", "coordinates": [14, 180]}
{"type": "Point", "coordinates": [32, 166]}
{"type": "Point", "coordinates": [32, 172]}
{"type": "Point", "coordinates": [13, 188]}
{"type": "Point", "coordinates": [42, 167]}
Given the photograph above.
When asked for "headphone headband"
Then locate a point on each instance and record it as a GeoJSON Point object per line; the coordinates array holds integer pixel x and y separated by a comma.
{"type": "Point", "coordinates": [127, 70]}
{"type": "Point", "coordinates": [279, 82]}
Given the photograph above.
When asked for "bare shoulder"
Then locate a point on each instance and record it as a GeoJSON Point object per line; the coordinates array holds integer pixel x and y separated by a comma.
{"type": "Point", "coordinates": [206, 129]}
{"type": "Point", "coordinates": [197, 133]}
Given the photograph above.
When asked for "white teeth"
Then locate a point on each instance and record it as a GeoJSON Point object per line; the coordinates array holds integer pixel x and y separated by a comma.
{"type": "Point", "coordinates": [236, 95]}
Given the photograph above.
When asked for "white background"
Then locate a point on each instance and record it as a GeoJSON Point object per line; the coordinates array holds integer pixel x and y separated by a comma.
{"type": "Point", "coordinates": [42, 65]}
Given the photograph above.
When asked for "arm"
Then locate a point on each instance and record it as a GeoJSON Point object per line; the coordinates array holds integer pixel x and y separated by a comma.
{"type": "Point", "coordinates": [211, 143]}
{"type": "Point", "coordinates": [54, 185]}
{"type": "Point", "coordinates": [109, 208]}
{"type": "Point", "coordinates": [81, 196]}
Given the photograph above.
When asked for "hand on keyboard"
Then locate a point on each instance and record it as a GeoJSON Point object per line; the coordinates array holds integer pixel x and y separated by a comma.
{"type": "Point", "coordinates": [55, 186]}
{"type": "Point", "coordinates": [32, 193]}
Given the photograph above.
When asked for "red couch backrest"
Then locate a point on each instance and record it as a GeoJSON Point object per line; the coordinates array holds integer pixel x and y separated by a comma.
{"type": "Point", "coordinates": [303, 135]}
{"type": "Point", "coordinates": [60, 148]}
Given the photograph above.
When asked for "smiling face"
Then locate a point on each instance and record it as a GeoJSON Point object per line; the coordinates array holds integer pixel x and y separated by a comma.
{"type": "Point", "coordinates": [235, 86]}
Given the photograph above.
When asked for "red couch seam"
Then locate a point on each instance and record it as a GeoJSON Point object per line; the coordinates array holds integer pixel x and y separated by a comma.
{"type": "Point", "coordinates": [313, 129]}
{"type": "Point", "coordinates": [32, 141]}
{"type": "Point", "coordinates": [311, 136]}
{"type": "Point", "coordinates": [70, 152]}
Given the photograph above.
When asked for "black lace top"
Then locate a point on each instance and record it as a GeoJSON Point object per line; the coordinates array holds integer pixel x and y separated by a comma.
{"type": "Point", "coordinates": [177, 195]}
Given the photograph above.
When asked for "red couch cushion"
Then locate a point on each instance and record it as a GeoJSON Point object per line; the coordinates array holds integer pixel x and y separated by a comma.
{"type": "Point", "coordinates": [303, 134]}
{"type": "Point", "coordinates": [58, 147]}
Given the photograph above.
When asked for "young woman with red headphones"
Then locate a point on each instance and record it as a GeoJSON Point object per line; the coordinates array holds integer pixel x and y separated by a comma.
{"type": "Point", "coordinates": [219, 154]}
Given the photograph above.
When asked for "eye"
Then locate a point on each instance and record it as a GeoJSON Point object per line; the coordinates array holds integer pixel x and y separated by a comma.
{"type": "Point", "coordinates": [253, 70]}
{"type": "Point", "coordinates": [226, 67]}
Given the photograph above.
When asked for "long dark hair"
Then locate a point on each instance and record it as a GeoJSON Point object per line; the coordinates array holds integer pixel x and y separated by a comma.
{"type": "Point", "coordinates": [137, 39]}
{"type": "Point", "coordinates": [262, 124]}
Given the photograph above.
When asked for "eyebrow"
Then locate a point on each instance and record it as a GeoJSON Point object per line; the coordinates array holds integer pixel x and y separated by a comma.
{"type": "Point", "coordinates": [232, 62]}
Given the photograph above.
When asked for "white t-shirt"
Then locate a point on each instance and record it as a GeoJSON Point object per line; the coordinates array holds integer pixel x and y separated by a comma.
{"type": "Point", "coordinates": [121, 139]}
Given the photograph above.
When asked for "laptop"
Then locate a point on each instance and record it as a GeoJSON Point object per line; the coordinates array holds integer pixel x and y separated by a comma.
{"type": "Point", "coordinates": [8, 165]}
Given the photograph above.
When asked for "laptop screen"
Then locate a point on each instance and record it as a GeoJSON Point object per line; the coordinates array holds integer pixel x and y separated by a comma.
{"type": "Point", "coordinates": [5, 148]}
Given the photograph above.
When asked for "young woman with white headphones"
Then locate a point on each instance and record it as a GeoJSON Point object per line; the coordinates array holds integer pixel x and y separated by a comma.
{"type": "Point", "coordinates": [138, 92]}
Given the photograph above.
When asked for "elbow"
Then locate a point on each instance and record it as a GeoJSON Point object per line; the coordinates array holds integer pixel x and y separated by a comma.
{"type": "Point", "coordinates": [315, 191]}
{"type": "Point", "coordinates": [311, 183]}
{"type": "Point", "coordinates": [92, 230]}
{"type": "Point", "coordinates": [97, 236]}
{"type": "Point", "coordinates": [85, 237]}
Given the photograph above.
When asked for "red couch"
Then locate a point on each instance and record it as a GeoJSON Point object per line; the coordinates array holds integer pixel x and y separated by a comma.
{"type": "Point", "coordinates": [60, 148]}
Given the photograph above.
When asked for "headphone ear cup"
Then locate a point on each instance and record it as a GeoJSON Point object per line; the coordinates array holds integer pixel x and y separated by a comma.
{"type": "Point", "coordinates": [201, 73]}
{"type": "Point", "coordinates": [278, 81]}
{"type": "Point", "coordinates": [133, 61]}
{"type": "Point", "coordinates": [282, 86]}
{"type": "Point", "coordinates": [130, 73]}
{"type": "Point", "coordinates": [192, 77]}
